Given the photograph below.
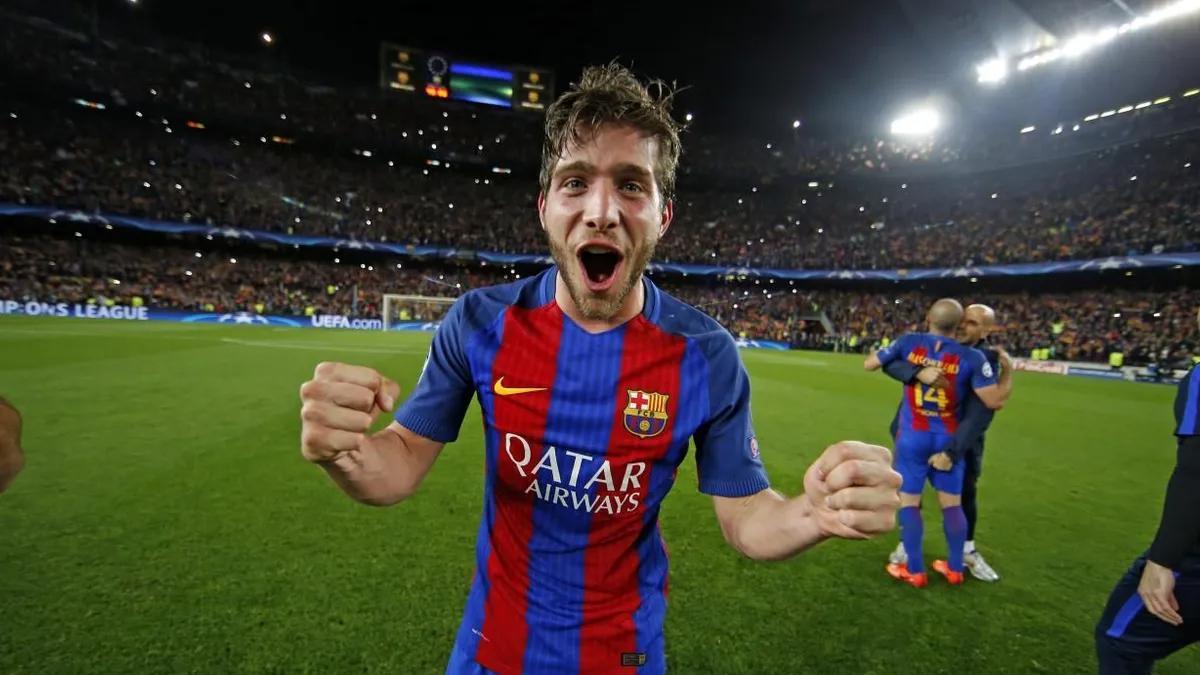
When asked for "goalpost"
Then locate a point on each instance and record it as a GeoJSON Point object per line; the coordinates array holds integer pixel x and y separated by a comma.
{"type": "Point", "coordinates": [413, 311]}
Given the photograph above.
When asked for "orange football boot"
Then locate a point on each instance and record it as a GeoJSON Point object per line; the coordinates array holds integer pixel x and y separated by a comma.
{"type": "Point", "coordinates": [899, 571]}
{"type": "Point", "coordinates": [955, 578]}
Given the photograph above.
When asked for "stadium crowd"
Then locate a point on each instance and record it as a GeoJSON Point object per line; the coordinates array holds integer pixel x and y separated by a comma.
{"type": "Point", "coordinates": [1086, 325]}
{"type": "Point", "coordinates": [153, 136]}
{"type": "Point", "coordinates": [1134, 200]}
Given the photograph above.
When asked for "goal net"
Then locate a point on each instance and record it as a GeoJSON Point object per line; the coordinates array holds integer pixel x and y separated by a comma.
{"type": "Point", "coordinates": [413, 312]}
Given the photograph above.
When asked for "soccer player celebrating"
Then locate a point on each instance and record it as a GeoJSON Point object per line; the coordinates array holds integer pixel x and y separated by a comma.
{"type": "Point", "coordinates": [929, 417]}
{"type": "Point", "coordinates": [978, 323]}
{"type": "Point", "coordinates": [1155, 608]}
{"type": "Point", "coordinates": [591, 382]}
{"type": "Point", "coordinates": [12, 460]}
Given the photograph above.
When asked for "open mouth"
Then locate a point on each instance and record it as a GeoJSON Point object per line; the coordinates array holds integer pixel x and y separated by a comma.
{"type": "Point", "coordinates": [600, 263]}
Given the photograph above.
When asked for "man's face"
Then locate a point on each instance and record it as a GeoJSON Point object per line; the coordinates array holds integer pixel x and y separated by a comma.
{"type": "Point", "coordinates": [603, 215]}
{"type": "Point", "coordinates": [975, 326]}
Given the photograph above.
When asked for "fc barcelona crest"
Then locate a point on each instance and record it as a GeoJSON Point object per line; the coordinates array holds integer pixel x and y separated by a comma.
{"type": "Point", "coordinates": [646, 414]}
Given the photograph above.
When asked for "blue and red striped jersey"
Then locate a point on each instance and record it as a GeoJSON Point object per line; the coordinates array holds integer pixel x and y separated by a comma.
{"type": "Point", "coordinates": [926, 408]}
{"type": "Point", "coordinates": [583, 436]}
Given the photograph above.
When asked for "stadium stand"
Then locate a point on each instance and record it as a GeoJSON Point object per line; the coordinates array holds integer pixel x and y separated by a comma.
{"type": "Point", "coordinates": [156, 138]}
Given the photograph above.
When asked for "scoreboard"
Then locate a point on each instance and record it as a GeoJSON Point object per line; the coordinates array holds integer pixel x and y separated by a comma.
{"type": "Point", "coordinates": [437, 75]}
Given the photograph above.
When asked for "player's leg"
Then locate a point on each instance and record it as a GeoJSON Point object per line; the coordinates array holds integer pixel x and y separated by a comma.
{"type": "Point", "coordinates": [1129, 639]}
{"type": "Point", "coordinates": [954, 522]}
{"type": "Point", "coordinates": [898, 556]}
{"type": "Point", "coordinates": [972, 465]}
{"type": "Point", "coordinates": [973, 559]}
{"type": "Point", "coordinates": [911, 463]}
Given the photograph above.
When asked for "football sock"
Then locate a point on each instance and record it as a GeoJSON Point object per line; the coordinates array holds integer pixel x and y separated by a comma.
{"type": "Point", "coordinates": [912, 532]}
{"type": "Point", "coordinates": [954, 522]}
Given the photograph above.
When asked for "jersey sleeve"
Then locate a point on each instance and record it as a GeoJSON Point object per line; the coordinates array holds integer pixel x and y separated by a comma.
{"type": "Point", "coordinates": [902, 371]}
{"type": "Point", "coordinates": [897, 349]}
{"type": "Point", "coordinates": [438, 404]}
{"type": "Point", "coordinates": [982, 373]}
{"type": "Point", "coordinates": [1187, 405]}
{"type": "Point", "coordinates": [727, 452]}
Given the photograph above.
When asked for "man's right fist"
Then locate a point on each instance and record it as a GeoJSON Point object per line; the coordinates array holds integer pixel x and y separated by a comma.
{"type": "Point", "coordinates": [339, 405]}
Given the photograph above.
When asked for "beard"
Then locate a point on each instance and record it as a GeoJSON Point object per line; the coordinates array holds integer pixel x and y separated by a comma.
{"type": "Point", "coordinates": [606, 305]}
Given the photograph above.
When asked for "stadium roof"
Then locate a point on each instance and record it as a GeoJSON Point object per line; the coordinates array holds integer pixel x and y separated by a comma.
{"type": "Point", "coordinates": [840, 67]}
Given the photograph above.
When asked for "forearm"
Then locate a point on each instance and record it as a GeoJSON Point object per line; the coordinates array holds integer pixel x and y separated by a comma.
{"type": "Point", "coordinates": [902, 371]}
{"type": "Point", "coordinates": [1179, 528]}
{"type": "Point", "coordinates": [872, 363]}
{"type": "Point", "coordinates": [384, 471]}
{"type": "Point", "coordinates": [971, 428]}
{"type": "Point", "coordinates": [1005, 383]}
{"type": "Point", "coordinates": [770, 526]}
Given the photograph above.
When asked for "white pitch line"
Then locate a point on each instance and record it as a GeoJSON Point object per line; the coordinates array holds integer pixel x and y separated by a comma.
{"type": "Point", "coordinates": [97, 333]}
{"type": "Point", "coordinates": [318, 346]}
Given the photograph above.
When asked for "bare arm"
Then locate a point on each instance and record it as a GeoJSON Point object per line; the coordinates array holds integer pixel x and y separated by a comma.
{"type": "Point", "coordinates": [766, 525]}
{"type": "Point", "coordinates": [339, 405]}
{"type": "Point", "coordinates": [386, 469]}
{"type": "Point", "coordinates": [850, 492]}
{"type": "Point", "coordinates": [872, 363]}
{"type": "Point", "coordinates": [12, 459]}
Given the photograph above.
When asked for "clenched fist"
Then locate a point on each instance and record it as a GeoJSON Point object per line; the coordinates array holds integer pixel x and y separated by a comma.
{"type": "Point", "coordinates": [339, 405]}
{"type": "Point", "coordinates": [853, 490]}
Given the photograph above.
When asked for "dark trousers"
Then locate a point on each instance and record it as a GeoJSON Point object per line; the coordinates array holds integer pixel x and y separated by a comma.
{"type": "Point", "coordinates": [974, 460]}
{"type": "Point", "coordinates": [1130, 639]}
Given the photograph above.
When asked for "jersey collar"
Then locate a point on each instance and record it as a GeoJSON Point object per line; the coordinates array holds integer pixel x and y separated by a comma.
{"type": "Point", "coordinates": [651, 307]}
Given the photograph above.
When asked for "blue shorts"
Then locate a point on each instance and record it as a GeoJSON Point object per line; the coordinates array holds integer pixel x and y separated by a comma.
{"type": "Point", "coordinates": [913, 450]}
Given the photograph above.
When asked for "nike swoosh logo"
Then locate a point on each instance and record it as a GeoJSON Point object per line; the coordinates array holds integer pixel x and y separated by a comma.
{"type": "Point", "coordinates": [502, 390]}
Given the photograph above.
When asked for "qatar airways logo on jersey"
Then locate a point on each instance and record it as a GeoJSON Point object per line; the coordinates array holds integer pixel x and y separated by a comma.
{"type": "Point", "coordinates": [566, 478]}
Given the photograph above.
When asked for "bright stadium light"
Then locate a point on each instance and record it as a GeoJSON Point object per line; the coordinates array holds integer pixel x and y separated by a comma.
{"type": "Point", "coordinates": [917, 123]}
{"type": "Point", "coordinates": [993, 71]}
{"type": "Point", "coordinates": [267, 38]}
{"type": "Point", "coordinates": [1086, 42]}
{"type": "Point", "coordinates": [689, 117]}
{"type": "Point", "coordinates": [1028, 129]}
{"type": "Point", "coordinates": [795, 124]}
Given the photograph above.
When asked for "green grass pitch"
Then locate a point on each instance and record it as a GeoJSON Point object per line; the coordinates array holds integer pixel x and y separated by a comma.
{"type": "Point", "coordinates": [167, 523]}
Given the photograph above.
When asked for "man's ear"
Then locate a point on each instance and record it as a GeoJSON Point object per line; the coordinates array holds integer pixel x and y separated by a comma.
{"type": "Point", "coordinates": [541, 208]}
{"type": "Point", "coordinates": [668, 216]}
